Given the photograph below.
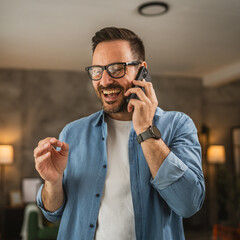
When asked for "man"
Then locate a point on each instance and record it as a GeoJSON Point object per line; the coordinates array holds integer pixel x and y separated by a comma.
{"type": "Point", "coordinates": [130, 171]}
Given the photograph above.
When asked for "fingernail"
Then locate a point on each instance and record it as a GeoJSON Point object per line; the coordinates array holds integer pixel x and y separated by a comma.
{"type": "Point", "coordinates": [46, 145]}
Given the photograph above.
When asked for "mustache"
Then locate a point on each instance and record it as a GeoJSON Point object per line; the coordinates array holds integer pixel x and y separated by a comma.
{"type": "Point", "coordinates": [110, 86]}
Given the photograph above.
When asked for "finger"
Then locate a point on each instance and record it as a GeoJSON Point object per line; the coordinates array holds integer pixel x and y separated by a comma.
{"type": "Point", "coordinates": [42, 149]}
{"type": "Point", "coordinates": [64, 149]}
{"type": "Point", "coordinates": [41, 159]}
{"type": "Point", "coordinates": [44, 141]}
{"type": "Point", "coordinates": [146, 85]}
{"type": "Point", "coordinates": [52, 140]}
{"type": "Point", "coordinates": [133, 103]}
{"type": "Point", "coordinates": [130, 107]}
{"type": "Point", "coordinates": [149, 90]}
{"type": "Point", "coordinates": [138, 91]}
{"type": "Point", "coordinates": [46, 145]}
{"type": "Point", "coordinates": [55, 142]}
{"type": "Point", "coordinates": [140, 83]}
{"type": "Point", "coordinates": [64, 146]}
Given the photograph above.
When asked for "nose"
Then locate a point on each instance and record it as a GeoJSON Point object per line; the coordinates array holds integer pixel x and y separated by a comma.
{"type": "Point", "coordinates": [106, 79]}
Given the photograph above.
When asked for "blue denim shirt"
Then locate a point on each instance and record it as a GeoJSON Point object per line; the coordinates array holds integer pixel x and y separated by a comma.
{"type": "Point", "coordinates": [159, 204]}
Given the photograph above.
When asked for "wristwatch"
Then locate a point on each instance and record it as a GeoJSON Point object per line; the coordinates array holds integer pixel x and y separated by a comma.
{"type": "Point", "coordinates": [151, 132]}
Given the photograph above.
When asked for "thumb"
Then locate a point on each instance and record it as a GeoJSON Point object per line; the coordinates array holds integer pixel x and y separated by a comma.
{"type": "Point", "coordinates": [132, 103]}
{"type": "Point", "coordinates": [63, 149]}
{"type": "Point", "coordinates": [130, 107]}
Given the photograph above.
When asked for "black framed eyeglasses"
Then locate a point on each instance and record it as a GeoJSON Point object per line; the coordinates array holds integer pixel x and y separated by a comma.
{"type": "Point", "coordinates": [115, 70]}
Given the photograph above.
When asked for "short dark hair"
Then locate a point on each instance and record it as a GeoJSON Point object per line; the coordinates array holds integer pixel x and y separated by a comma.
{"type": "Point", "coordinates": [114, 33]}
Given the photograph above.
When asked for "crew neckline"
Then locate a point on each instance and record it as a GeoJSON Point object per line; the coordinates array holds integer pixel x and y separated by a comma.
{"type": "Point", "coordinates": [116, 122]}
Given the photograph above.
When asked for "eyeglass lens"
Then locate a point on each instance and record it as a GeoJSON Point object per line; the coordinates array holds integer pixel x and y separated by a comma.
{"type": "Point", "coordinates": [114, 70]}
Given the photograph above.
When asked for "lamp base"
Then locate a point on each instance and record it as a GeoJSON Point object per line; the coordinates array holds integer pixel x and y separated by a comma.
{"type": "Point", "coordinates": [2, 203]}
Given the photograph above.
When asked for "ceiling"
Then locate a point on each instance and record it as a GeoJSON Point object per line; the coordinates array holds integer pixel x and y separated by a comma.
{"type": "Point", "coordinates": [194, 39]}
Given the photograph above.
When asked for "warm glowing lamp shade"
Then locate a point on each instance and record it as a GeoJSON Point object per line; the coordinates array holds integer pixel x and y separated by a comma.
{"type": "Point", "coordinates": [216, 154]}
{"type": "Point", "coordinates": [6, 154]}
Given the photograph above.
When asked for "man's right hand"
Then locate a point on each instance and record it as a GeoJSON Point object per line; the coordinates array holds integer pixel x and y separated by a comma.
{"type": "Point", "coordinates": [49, 162]}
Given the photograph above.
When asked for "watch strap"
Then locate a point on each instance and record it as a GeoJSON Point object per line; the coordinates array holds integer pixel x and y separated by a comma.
{"type": "Point", "coordinates": [143, 136]}
{"type": "Point", "coordinates": [151, 132]}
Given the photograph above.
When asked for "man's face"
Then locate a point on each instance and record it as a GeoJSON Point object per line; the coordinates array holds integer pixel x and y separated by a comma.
{"type": "Point", "coordinates": [110, 91]}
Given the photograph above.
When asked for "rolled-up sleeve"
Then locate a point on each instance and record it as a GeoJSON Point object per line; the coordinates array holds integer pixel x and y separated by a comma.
{"type": "Point", "coordinates": [170, 171]}
{"type": "Point", "coordinates": [51, 216]}
{"type": "Point", "coordinates": [180, 180]}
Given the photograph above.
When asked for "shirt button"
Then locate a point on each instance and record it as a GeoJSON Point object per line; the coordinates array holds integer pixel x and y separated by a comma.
{"type": "Point", "coordinates": [104, 166]}
{"type": "Point", "coordinates": [91, 226]}
{"type": "Point", "coordinates": [103, 138]}
{"type": "Point", "coordinates": [97, 195]}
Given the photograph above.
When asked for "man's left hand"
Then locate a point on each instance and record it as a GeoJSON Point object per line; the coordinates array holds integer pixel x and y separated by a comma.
{"type": "Point", "coordinates": [144, 108]}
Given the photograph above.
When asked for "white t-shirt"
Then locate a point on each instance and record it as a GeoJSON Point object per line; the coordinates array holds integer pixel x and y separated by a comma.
{"type": "Point", "coordinates": [116, 216]}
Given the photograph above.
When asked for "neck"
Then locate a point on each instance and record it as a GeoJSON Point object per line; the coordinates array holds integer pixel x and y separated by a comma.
{"type": "Point", "coordinates": [122, 116]}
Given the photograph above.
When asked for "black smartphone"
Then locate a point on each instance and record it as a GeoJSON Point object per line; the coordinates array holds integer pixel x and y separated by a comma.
{"type": "Point", "coordinates": [142, 74]}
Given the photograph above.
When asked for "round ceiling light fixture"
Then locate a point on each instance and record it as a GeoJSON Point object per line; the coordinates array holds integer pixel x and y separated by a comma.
{"type": "Point", "coordinates": [153, 8]}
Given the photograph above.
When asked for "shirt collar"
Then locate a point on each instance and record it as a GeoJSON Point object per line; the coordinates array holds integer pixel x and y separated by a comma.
{"type": "Point", "coordinates": [99, 119]}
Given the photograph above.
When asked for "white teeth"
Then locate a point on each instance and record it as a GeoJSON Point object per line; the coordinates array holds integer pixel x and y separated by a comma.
{"type": "Point", "coordinates": [111, 91]}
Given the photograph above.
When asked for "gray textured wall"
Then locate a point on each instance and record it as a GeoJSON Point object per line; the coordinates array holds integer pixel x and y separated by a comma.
{"type": "Point", "coordinates": [37, 104]}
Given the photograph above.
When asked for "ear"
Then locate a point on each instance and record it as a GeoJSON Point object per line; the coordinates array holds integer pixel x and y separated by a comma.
{"type": "Point", "coordinates": [144, 64]}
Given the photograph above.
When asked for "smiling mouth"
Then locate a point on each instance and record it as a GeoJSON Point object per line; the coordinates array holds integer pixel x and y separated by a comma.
{"type": "Point", "coordinates": [111, 95]}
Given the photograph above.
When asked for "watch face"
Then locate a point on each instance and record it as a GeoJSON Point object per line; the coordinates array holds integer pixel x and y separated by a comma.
{"type": "Point", "coordinates": [156, 132]}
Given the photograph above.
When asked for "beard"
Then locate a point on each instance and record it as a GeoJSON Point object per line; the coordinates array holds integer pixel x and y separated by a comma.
{"type": "Point", "coordinates": [112, 106]}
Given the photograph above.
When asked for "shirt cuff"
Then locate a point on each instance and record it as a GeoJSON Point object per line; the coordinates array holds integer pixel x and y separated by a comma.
{"type": "Point", "coordinates": [170, 171]}
{"type": "Point", "coordinates": [51, 216]}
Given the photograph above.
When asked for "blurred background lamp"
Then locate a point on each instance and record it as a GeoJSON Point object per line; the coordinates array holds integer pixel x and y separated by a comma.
{"type": "Point", "coordinates": [6, 157]}
{"type": "Point", "coordinates": [6, 154]}
{"type": "Point", "coordinates": [216, 154]}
